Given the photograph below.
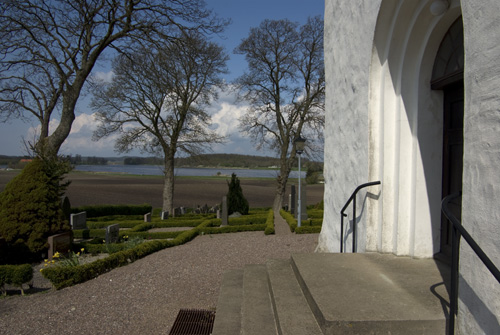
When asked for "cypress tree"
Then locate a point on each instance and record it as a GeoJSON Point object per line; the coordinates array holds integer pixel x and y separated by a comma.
{"type": "Point", "coordinates": [236, 201]}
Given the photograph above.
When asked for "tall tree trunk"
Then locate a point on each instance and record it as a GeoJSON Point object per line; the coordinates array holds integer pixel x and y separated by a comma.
{"type": "Point", "coordinates": [50, 145]}
{"type": "Point", "coordinates": [168, 184]}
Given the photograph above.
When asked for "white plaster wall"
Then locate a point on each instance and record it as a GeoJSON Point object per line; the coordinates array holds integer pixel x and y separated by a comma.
{"type": "Point", "coordinates": [349, 29]}
{"type": "Point", "coordinates": [479, 311]}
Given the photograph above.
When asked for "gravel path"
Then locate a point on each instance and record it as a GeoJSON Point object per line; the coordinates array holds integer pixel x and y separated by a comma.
{"type": "Point", "coordinates": [145, 296]}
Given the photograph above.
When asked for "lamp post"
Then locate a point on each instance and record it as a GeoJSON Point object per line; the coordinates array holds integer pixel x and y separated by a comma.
{"type": "Point", "coordinates": [299, 148]}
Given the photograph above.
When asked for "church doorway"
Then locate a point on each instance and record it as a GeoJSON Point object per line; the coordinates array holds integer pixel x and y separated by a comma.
{"type": "Point", "coordinates": [448, 77]}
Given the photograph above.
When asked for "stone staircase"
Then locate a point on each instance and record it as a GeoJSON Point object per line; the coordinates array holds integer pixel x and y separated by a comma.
{"type": "Point", "coordinates": [335, 294]}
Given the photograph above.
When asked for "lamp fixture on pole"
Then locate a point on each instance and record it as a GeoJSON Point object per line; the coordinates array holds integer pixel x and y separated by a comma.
{"type": "Point", "coordinates": [299, 149]}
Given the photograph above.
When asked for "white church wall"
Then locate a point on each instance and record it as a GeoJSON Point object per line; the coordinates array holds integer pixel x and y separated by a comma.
{"type": "Point", "coordinates": [479, 292]}
{"type": "Point", "coordinates": [384, 123]}
{"type": "Point", "coordinates": [349, 28]}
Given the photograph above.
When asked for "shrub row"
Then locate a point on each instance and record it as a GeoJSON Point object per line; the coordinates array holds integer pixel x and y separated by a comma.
{"type": "Point", "coordinates": [292, 223]}
{"type": "Point", "coordinates": [170, 223]}
{"type": "Point", "coordinates": [314, 213]}
{"type": "Point", "coordinates": [15, 275]}
{"type": "Point", "coordinates": [101, 233]}
{"type": "Point", "coordinates": [103, 220]}
{"type": "Point", "coordinates": [308, 229]}
{"type": "Point", "coordinates": [106, 210]}
{"type": "Point", "coordinates": [248, 220]}
{"type": "Point", "coordinates": [233, 229]}
{"type": "Point", "coordinates": [269, 223]}
{"type": "Point", "coordinates": [62, 277]}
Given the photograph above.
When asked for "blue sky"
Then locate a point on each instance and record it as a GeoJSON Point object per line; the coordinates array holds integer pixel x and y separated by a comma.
{"type": "Point", "coordinates": [244, 15]}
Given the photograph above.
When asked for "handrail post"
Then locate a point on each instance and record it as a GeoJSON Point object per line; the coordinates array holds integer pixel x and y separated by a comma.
{"type": "Point", "coordinates": [352, 198]}
{"type": "Point", "coordinates": [354, 224]}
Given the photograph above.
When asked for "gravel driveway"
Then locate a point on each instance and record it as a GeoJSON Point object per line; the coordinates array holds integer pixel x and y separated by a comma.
{"type": "Point", "coordinates": [145, 296]}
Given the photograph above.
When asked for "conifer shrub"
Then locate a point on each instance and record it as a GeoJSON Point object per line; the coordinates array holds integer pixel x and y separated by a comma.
{"type": "Point", "coordinates": [30, 209]}
{"type": "Point", "coordinates": [236, 201]}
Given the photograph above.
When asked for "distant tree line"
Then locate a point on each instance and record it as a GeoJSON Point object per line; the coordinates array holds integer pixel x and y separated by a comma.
{"type": "Point", "coordinates": [79, 160]}
{"type": "Point", "coordinates": [142, 161]}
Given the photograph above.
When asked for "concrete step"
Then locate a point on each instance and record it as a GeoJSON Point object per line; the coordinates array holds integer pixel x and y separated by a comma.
{"type": "Point", "coordinates": [374, 294]}
{"type": "Point", "coordinates": [292, 312]}
{"type": "Point", "coordinates": [257, 310]}
{"type": "Point", "coordinates": [229, 304]}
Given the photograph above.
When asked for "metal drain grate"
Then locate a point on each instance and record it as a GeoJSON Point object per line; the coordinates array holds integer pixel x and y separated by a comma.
{"type": "Point", "coordinates": [193, 322]}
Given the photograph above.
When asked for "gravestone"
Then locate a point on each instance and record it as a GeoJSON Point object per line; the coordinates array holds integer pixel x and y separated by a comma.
{"type": "Point", "coordinates": [177, 212]}
{"type": "Point", "coordinates": [164, 215]}
{"type": "Point", "coordinates": [183, 210]}
{"type": "Point", "coordinates": [78, 220]}
{"type": "Point", "coordinates": [147, 217]}
{"type": "Point", "coordinates": [292, 200]}
{"type": "Point", "coordinates": [218, 214]}
{"type": "Point", "coordinates": [60, 243]}
{"type": "Point", "coordinates": [113, 233]}
{"type": "Point", "coordinates": [224, 211]}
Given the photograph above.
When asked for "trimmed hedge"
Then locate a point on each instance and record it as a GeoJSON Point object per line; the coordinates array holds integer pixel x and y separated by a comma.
{"type": "Point", "coordinates": [101, 233]}
{"type": "Point", "coordinates": [233, 229]}
{"type": "Point", "coordinates": [170, 223]}
{"type": "Point", "coordinates": [289, 219]}
{"type": "Point", "coordinates": [62, 277]}
{"type": "Point", "coordinates": [247, 220]}
{"type": "Point", "coordinates": [308, 230]}
{"type": "Point", "coordinates": [269, 223]}
{"type": "Point", "coordinates": [15, 275]}
{"type": "Point", "coordinates": [106, 210]}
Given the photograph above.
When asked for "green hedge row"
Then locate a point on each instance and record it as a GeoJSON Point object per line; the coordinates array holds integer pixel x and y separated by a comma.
{"type": "Point", "coordinates": [101, 233]}
{"type": "Point", "coordinates": [106, 210]}
{"type": "Point", "coordinates": [171, 223]}
{"type": "Point", "coordinates": [315, 213]}
{"type": "Point", "coordinates": [292, 223]}
{"type": "Point", "coordinates": [269, 223]}
{"type": "Point", "coordinates": [248, 220]}
{"type": "Point", "coordinates": [308, 230]}
{"type": "Point", "coordinates": [233, 229]}
{"type": "Point", "coordinates": [15, 275]}
{"type": "Point", "coordinates": [103, 220]}
{"type": "Point", "coordinates": [62, 277]}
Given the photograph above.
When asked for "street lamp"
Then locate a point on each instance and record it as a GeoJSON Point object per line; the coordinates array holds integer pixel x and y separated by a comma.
{"type": "Point", "coordinates": [299, 149]}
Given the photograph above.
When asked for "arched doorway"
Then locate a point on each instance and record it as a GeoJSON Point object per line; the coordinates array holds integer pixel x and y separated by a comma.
{"type": "Point", "coordinates": [448, 77]}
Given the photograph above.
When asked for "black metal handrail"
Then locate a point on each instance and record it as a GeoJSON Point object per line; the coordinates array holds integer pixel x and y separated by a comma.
{"type": "Point", "coordinates": [457, 231]}
{"type": "Point", "coordinates": [342, 215]}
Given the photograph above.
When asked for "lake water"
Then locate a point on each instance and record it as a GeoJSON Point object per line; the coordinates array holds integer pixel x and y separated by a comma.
{"type": "Point", "coordinates": [154, 170]}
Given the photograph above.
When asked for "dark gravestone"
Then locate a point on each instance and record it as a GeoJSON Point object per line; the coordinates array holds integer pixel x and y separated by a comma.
{"type": "Point", "coordinates": [78, 220]}
{"type": "Point", "coordinates": [177, 212]}
{"type": "Point", "coordinates": [60, 243]}
{"type": "Point", "coordinates": [164, 215]}
{"type": "Point", "coordinates": [113, 233]}
{"type": "Point", "coordinates": [147, 217]}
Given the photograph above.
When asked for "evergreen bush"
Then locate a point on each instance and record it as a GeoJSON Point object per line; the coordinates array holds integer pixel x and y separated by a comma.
{"type": "Point", "coordinates": [236, 201]}
{"type": "Point", "coordinates": [30, 209]}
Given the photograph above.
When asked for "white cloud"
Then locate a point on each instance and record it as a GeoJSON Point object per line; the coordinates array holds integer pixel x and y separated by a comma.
{"type": "Point", "coordinates": [106, 77]}
{"type": "Point", "coordinates": [225, 113]}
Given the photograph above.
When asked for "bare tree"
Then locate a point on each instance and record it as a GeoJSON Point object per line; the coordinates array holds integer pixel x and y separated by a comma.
{"type": "Point", "coordinates": [156, 101]}
{"type": "Point", "coordinates": [48, 49]}
{"type": "Point", "coordinates": [285, 87]}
